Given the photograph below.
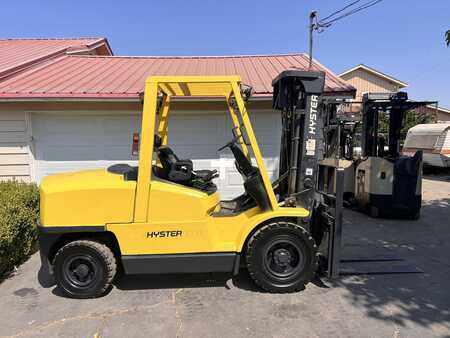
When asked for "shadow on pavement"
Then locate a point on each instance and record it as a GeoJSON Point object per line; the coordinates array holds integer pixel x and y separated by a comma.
{"type": "Point", "coordinates": [401, 298]}
{"type": "Point", "coordinates": [177, 281]}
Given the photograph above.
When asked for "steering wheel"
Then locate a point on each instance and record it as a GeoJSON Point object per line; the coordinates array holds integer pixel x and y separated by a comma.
{"type": "Point", "coordinates": [243, 164]}
{"type": "Point", "coordinates": [229, 144]}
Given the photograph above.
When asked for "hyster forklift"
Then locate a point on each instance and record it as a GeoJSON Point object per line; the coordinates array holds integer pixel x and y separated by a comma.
{"type": "Point", "coordinates": [164, 216]}
{"type": "Point", "coordinates": [379, 181]}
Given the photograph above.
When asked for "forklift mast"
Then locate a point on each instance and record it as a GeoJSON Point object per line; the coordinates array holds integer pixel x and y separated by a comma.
{"type": "Point", "coordinates": [397, 104]}
{"type": "Point", "coordinates": [298, 95]}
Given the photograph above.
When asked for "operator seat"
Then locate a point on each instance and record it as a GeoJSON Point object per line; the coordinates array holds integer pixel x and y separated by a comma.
{"type": "Point", "coordinates": [181, 171]}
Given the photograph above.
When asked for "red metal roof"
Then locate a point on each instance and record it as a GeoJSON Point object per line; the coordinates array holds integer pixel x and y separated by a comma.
{"type": "Point", "coordinates": [19, 54]}
{"type": "Point", "coordinates": [123, 77]}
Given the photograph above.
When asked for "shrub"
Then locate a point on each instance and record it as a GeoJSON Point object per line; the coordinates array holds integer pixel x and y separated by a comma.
{"type": "Point", "coordinates": [19, 213]}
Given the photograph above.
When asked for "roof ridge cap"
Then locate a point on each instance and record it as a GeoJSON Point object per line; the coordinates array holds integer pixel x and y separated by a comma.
{"type": "Point", "coordinates": [53, 39]}
{"type": "Point", "coordinates": [187, 56]}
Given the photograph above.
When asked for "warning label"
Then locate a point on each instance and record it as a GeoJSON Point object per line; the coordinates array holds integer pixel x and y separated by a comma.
{"type": "Point", "coordinates": [311, 147]}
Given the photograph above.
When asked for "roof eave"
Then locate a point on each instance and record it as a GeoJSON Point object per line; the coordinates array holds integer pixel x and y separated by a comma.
{"type": "Point", "coordinates": [373, 71]}
{"type": "Point", "coordinates": [134, 98]}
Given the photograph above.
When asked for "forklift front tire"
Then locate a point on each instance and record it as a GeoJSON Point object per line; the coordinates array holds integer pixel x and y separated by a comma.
{"type": "Point", "coordinates": [281, 257]}
{"type": "Point", "coordinates": [84, 268]}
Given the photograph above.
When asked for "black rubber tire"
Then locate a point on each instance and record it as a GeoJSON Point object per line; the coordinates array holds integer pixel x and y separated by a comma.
{"type": "Point", "coordinates": [102, 260]}
{"type": "Point", "coordinates": [256, 253]}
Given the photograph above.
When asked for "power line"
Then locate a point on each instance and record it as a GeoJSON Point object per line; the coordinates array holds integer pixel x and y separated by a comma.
{"type": "Point", "coordinates": [320, 25]}
{"type": "Point", "coordinates": [342, 9]}
{"type": "Point", "coordinates": [324, 24]}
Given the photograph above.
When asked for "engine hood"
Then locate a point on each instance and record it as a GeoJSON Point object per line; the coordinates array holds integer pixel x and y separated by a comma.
{"type": "Point", "coordinates": [90, 197]}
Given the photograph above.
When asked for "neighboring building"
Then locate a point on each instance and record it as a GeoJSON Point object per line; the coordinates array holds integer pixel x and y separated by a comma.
{"type": "Point", "coordinates": [368, 80]}
{"type": "Point", "coordinates": [440, 114]}
{"type": "Point", "coordinates": [80, 112]}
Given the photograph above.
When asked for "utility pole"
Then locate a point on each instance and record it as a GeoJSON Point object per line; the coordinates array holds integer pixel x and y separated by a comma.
{"type": "Point", "coordinates": [312, 16]}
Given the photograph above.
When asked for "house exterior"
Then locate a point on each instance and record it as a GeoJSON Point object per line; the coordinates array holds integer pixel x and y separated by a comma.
{"type": "Point", "coordinates": [439, 114]}
{"type": "Point", "coordinates": [369, 80]}
{"type": "Point", "coordinates": [81, 111]}
{"type": "Point", "coordinates": [18, 56]}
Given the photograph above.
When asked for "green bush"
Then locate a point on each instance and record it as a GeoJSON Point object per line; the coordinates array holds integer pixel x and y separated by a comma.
{"type": "Point", "coordinates": [19, 213]}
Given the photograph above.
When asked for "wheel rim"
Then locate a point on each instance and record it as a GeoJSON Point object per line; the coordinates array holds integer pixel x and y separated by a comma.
{"type": "Point", "coordinates": [80, 271]}
{"type": "Point", "coordinates": [283, 258]}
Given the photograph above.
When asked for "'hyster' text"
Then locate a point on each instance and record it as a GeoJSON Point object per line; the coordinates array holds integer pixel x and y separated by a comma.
{"type": "Point", "coordinates": [161, 234]}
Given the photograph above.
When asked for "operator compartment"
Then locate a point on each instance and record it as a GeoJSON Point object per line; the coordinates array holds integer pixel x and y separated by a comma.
{"type": "Point", "coordinates": [89, 197]}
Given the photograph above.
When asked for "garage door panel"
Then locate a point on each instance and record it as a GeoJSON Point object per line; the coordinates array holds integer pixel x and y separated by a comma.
{"type": "Point", "coordinates": [77, 142]}
{"type": "Point", "coordinates": [199, 129]}
{"type": "Point", "coordinates": [118, 152]}
{"type": "Point", "coordinates": [70, 153]}
{"type": "Point", "coordinates": [60, 167]}
{"type": "Point", "coordinates": [65, 126]}
{"type": "Point", "coordinates": [195, 151]}
{"type": "Point", "coordinates": [119, 130]}
{"type": "Point", "coordinates": [117, 123]}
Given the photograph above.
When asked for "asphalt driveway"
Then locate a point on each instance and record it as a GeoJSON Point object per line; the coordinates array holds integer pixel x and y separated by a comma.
{"type": "Point", "coordinates": [401, 305]}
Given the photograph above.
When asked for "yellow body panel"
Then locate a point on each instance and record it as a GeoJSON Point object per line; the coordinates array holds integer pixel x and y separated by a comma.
{"type": "Point", "coordinates": [175, 203]}
{"type": "Point", "coordinates": [91, 197]}
{"type": "Point", "coordinates": [209, 234]}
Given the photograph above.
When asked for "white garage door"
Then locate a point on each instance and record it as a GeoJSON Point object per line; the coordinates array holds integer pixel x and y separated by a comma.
{"type": "Point", "coordinates": [74, 142]}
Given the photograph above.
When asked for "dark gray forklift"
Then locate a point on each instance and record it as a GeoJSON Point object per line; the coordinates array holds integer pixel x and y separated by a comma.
{"type": "Point", "coordinates": [378, 180]}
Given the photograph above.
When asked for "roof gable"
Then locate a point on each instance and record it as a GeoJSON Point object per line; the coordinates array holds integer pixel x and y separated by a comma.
{"type": "Point", "coordinates": [124, 76]}
{"type": "Point", "coordinates": [375, 72]}
{"type": "Point", "coordinates": [17, 55]}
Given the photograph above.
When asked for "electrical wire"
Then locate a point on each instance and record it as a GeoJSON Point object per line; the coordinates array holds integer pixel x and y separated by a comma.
{"type": "Point", "coordinates": [323, 23]}
{"type": "Point", "coordinates": [342, 9]}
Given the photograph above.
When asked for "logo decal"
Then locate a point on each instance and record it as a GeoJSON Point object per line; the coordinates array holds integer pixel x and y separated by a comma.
{"type": "Point", "coordinates": [164, 234]}
{"type": "Point", "coordinates": [311, 142]}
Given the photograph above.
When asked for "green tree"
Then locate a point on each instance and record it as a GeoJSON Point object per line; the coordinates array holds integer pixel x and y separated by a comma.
{"type": "Point", "coordinates": [412, 118]}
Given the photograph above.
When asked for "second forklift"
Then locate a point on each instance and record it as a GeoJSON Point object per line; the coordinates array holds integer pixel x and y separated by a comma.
{"type": "Point", "coordinates": [379, 180]}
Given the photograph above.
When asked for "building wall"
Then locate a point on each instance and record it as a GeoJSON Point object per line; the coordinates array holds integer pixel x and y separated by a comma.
{"type": "Point", "coordinates": [14, 149]}
{"type": "Point", "coordinates": [438, 115]}
{"type": "Point", "coordinates": [364, 81]}
{"type": "Point", "coordinates": [442, 117]}
{"type": "Point", "coordinates": [33, 136]}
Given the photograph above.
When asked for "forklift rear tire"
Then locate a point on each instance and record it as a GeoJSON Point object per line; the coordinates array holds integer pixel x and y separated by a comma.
{"type": "Point", "coordinates": [281, 257]}
{"type": "Point", "coordinates": [84, 269]}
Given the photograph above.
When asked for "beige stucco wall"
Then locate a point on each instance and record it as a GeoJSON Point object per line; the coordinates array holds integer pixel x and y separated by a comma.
{"type": "Point", "coordinates": [365, 81]}
{"type": "Point", "coordinates": [438, 114]}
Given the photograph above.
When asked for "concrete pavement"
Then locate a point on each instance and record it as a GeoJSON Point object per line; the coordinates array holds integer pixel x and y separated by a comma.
{"type": "Point", "coordinates": [408, 305]}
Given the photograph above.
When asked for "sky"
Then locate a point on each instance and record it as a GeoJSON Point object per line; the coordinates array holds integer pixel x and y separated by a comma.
{"type": "Point", "coordinates": [402, 38]}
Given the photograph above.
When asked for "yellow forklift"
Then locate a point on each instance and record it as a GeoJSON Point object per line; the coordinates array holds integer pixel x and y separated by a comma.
{"type": "Point", "coordinates": [164, 216]}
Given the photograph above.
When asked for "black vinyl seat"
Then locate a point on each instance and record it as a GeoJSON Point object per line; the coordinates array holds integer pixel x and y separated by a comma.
{"type": "Point", "coordinates": [181, 170]}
